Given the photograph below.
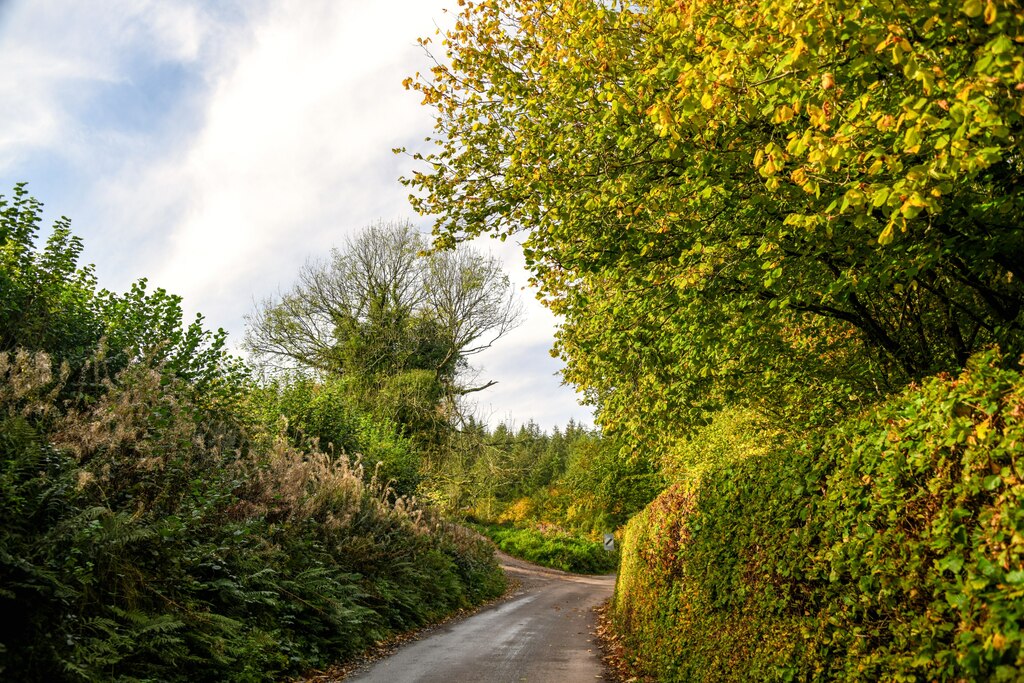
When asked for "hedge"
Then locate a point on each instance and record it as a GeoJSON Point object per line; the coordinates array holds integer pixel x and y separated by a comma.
{"type": "Point", "coordinates": [889, 548]}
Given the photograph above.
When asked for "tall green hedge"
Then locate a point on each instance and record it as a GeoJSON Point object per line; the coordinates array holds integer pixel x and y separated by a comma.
{"type": "Point", "coordinates": [157, 520]}
{"type": "Point", "coordinates": [891, 548]}
{"type": "Point", "coordinates": [140, 540]}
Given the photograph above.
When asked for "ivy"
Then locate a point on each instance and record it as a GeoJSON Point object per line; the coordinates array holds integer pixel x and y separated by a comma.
{"type": "Point", "coordinates": [887, 548]}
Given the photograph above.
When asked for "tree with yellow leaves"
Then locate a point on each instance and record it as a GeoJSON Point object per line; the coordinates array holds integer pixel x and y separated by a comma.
{"type": "Point", "coordinates": [803, 204]}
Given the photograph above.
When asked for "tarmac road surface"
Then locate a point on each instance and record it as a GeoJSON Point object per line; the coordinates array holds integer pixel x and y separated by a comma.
{"type": "Point", "coordinates": [543, 632]}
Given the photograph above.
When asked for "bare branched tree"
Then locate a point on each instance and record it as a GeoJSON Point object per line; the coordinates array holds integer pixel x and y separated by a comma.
{"type": "Point", "coordinates": [470, 297]}
{"type": "Point", "coordinates": [379, 305]}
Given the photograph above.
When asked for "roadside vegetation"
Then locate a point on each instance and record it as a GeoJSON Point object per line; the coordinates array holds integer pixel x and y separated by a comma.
{"type": "Point", "coordinates": [576, 480]}
{"type": "Point", "coordinates": [550, 498]}
{"type": "Point", "coordinates": [887, 548]}
{"type": "Point", "coordinates": [785, 239]}
{"type": "Point", "coordinates": [166, 517]}
{"type": "Point", "coordinates": [555, 549]}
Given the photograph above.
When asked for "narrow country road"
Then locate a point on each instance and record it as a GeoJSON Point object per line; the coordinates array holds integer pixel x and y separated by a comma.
{"type": "Point", "coordinates": [544, 632]}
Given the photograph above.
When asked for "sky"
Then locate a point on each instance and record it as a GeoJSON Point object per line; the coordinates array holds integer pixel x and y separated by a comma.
{"type": "Point", "coordinates": [215, 147]}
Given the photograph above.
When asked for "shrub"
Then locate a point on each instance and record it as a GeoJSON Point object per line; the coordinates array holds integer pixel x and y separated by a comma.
{"type": "Point", "coordinates": [326, 415]}
{"type": "Point", "coordinates": [890, 548]}
{"type": "Point", "coordinates": [139, 539]}
{"type": "Point", "coordinates": [557, 550]}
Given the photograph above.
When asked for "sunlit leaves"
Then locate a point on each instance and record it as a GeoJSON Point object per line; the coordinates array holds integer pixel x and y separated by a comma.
{"type": "Point", "coordinates": [875, 146]}
{"type": "Point", "coordinates": [888, 550]}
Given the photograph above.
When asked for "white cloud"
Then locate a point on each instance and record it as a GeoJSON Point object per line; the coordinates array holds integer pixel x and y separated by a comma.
{"type": "Point", "coordinates": [281, 149]}
{"type": "Point", "coordinates": [294, 151]}
{"type": "Point", "coordinates": [57, 52]}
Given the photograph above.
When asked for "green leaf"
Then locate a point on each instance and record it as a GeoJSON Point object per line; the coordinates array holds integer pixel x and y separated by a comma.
{"type": "Point", "coordinates": [951, 563]}
{"type": "Point", "coordinates": [956, 600]}
{"type": "Point", "coordinates": [973, 8]}
{"type": "Point", "coordinates": [879, 197]}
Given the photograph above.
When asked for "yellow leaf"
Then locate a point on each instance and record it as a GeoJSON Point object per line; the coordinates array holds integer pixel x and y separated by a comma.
{"type": "Point", "coordinates": [707, 101]}
{"type": "Point", "coordinates": [886, 236]}
{"type": "Point", "coordinates": [783, 114]}
{"type": "Point", "coordinates": [990, 12]}
{"type": "Point", "coordinates": [981, 429]}
{"type": "Point", "coordinates": [666, 116]}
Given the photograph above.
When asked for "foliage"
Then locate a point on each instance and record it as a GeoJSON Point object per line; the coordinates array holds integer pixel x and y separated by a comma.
{"type": "Point", "coordinates": [730, 434]}
{"type": "Point", "coordinates": [888, 548]}
{"type": "Point", "coordinates": [379, 308]}
{"type": "Point", "coordinates": [602, 487]}
{"type": "Point", "coordinates": [157, 519]}
{"type": "Point", "coordinates": [557, 550]}
{"type": "Point", "coordinates": [51, 303]}
{"type": "Point", "coordinates": [546, 498]}
{"type": "Point", "coordinates": [48, 299]}
{"type": "Point", "coordinates": [138, 543]}
{"type": "Point", "coordinates": [574, 479]}
{"type": "Point", "coordinates": [799, 206]}
{"type": "Point", "coordinates": [388, 330]}
{"type": "Point", "coordinates": [327, 415]}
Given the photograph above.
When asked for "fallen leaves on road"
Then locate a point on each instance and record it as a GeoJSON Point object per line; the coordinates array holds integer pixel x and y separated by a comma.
{"type": "Point", "coordinates": [613, 650]}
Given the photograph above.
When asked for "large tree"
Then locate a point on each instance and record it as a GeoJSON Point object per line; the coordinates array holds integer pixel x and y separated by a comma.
{"type": "Point", "coordinates": [380, 307]}
{"type": "Point", "coordinates": [800, 203]}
